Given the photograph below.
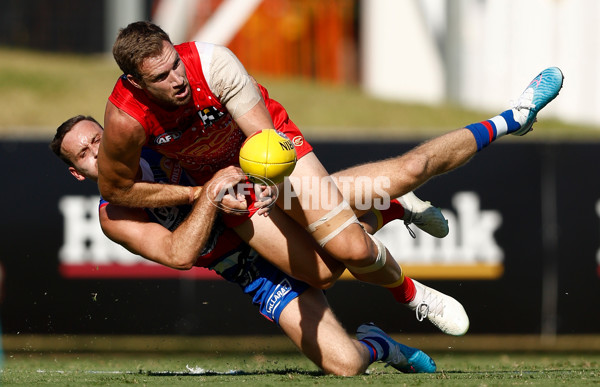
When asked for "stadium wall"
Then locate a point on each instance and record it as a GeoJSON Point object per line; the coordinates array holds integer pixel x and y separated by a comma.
{"type": "Point", "coordinates": [522, 254]}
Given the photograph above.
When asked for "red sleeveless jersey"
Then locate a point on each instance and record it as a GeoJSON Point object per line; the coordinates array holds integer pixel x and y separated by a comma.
{"type": "Point", "coordinates": [201, 134]}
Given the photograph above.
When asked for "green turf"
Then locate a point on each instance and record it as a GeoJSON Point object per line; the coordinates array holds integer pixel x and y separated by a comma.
{"type": "Point", "coordinates": [270, 369]}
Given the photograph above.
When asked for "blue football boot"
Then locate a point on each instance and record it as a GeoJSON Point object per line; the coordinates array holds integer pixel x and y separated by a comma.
{"type": "Point", "coordinates": [543, 89]}
{"type": "Point", "coordinates": [401, 357]}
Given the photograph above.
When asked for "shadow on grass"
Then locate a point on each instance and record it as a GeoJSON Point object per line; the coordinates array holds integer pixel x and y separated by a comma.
{"type": "Point", "coordinates": [233, 373]}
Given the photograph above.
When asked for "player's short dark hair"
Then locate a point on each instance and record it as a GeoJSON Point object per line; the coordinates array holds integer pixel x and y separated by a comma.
{"type": "Point", "coordinates": [61, 132]}
{"type": "Point", "coordinates": [136, 42]}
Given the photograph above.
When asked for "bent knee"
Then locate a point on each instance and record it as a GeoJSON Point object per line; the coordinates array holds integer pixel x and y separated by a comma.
{"type": "Point", "coordinates": [353, 247]}
{"type": "Point", "coordinates": [326, 278]}
{"type": "Point", "coordinates": [345, 366]}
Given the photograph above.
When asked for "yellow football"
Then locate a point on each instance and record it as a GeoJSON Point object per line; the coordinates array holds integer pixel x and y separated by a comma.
{"type": "Point", "coordinates": [267, 157]}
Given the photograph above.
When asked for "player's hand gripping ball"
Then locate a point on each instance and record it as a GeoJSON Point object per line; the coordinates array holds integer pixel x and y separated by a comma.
{"type": "Point", "coordinates": [267, 157]}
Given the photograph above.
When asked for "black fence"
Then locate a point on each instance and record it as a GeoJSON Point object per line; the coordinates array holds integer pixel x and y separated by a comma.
{"type": "Point", "coordinates": [522, 254]}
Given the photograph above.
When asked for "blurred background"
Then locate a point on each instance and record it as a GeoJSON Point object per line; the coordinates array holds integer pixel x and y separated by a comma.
{"type": "Point", "coordinates": [365, 80]}
{"type": "Point", "coordinates": [472, 54]}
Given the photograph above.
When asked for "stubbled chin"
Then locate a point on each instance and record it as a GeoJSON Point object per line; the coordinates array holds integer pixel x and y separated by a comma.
{"type": "Point", "coordinates": [181, 102]}
{"type": "Point", "coordinates": [182, 99]}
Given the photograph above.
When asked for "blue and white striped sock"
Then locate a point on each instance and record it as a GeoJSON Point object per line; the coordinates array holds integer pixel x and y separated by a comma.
{"type": "Point", "coordinates": [377, 346]}
{"type": "Point", "coordinates": [487, 131]}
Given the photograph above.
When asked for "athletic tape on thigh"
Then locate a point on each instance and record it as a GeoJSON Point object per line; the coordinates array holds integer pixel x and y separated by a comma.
{"type": "Point", "coordinates": [336, 220]}
{"type": "Point", "coordinates": [379, 261]}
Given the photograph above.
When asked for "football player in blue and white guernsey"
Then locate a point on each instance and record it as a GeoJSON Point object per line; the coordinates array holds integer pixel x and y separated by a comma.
{"type": "Point", "coordinates": [185, 236]}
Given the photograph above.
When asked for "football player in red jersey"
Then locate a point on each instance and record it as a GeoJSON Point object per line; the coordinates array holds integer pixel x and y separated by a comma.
{"type": "Point", "coordinates": [195, 102]}
{"type": "Point", "coordinates": [196, 237]}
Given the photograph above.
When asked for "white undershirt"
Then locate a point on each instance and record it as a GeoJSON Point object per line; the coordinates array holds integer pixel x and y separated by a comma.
{"type": "Point", "coordinates": [228, 79]}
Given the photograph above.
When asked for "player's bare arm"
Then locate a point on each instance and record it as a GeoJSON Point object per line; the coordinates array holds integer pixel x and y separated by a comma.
{"type": "Point", "coordinates": [118, 165]}
{"type": "Point", "coordinates": [257, 118]}
{"type": "Point", "coordinates": [131, 227]}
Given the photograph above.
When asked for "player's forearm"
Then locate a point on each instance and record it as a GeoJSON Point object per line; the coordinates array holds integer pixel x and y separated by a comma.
{"type": "Point", "coordinates": [146, 194]}
{"type": "Point", "coordinates": [190, 238]}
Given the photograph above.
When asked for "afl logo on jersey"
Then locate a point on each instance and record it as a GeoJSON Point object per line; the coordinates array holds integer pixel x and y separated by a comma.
{"type": "Point", "coordinates": [167, 137]}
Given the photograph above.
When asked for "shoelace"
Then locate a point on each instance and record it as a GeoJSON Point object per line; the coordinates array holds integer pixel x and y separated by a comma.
{"type": "Point", "coordinates": [410, 230]}
{"type": "Point", "coordinates": [521, 104]}
{"type": "Point", "coordinates": [422, 311]}
{"type": "Point", "coordinates": [408, 222]}
{"type": "Point", "coordinates": [423, 308]}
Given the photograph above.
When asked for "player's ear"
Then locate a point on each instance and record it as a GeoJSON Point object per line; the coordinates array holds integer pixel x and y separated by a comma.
{"type": "Point", "coordinates": [134, 81]}
{"type": "Point", "coordinates": [76, 174]}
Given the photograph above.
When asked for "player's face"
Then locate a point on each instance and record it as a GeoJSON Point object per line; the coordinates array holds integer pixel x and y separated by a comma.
{"type": "Point", "coordinates": [164, 78]}
{"type": "Point", "coordinates": [80, 145]}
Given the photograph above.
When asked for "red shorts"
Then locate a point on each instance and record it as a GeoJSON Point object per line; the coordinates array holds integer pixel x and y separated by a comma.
{"type": "Point", "coordinates": [285, 125]}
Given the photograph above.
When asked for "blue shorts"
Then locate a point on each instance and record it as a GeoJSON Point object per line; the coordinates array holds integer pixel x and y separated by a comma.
{"type": "Point", "coordinates": [271, 289]}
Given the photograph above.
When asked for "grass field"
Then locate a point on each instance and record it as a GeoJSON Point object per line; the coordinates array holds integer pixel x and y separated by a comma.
{"type": "Point", "coordinates": [167, 369]}
{"type": "Point", "coordinates": [273, 361]}
{"type": "Point", "coordinates": [182, 369]}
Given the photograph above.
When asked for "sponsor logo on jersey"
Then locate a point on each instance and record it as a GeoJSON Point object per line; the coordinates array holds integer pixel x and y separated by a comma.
{"type": "Point", "coordinates": [167, 137]}
{"type": "Point", "coordinates": [209, 115]}
{"type": "Point", "coordinates": [172, 169]}
{"type": "Point", "coordinates": [169, 217]}
{"type": "Point", "coordinates": [298, 140]}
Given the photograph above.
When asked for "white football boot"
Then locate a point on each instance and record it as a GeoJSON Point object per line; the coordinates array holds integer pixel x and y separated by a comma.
{"type": "Point", "coordinates": [443, 311]}
{"type": "Point", "coordinates": [423, 215]}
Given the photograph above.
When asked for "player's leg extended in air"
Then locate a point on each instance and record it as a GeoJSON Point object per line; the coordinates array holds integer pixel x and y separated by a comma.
{"type": "Point", "coordinates": [331, 220]}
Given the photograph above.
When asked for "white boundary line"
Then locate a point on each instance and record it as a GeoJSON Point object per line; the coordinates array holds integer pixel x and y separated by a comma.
{"type": "Point", "coordinates": [190, 371]}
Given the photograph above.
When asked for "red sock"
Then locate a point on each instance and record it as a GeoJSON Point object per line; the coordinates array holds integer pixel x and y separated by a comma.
{"type": "Point", "coordinates": [405, 292]}
{"type": "Point", "coordinates": [396, 211]}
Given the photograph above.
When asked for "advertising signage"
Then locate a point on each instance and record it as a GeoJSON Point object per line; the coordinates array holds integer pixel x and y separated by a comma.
{"type": "Point", "coordinates": [522, 254]}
